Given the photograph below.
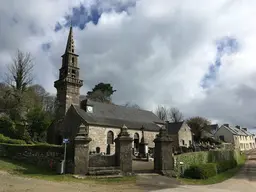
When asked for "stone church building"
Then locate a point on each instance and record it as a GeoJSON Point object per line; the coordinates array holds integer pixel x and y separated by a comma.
{"type": "Point", "coordinates": [101, 121]}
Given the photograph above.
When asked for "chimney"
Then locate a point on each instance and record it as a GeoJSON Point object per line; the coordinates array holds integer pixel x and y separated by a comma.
{"type": "Point", "coordinates": [244, 128]}
{"type": "Point", "coordinates": [226, 125]}
{"type": "Point", "coordinates": [238, 127]}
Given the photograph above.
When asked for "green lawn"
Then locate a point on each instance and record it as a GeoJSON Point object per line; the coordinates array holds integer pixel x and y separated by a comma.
{"type": "Point", "coordinates": [218, 178]}
{"type": "Point", "coordinates": [22, 169]}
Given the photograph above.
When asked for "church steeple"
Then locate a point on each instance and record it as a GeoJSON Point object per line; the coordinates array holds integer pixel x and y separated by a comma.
{"type": "Point", "coordinates": [68, 85]}
{"type": "Point", "coordinates": [70, 47]}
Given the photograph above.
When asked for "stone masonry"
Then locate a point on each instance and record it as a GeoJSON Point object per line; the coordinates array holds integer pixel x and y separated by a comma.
{"type": "Point", "coordinates": [99, 137]}
{"type": "Point", "coordinates": [81, 158]}
{"type": "Point", "coordinates": [163, 158]}
{"type": "Point", "coordinates": [124, 151]}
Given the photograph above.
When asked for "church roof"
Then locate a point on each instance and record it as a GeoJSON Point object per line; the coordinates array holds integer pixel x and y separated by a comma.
{"type": "Point", "coordinates": [116, 116]}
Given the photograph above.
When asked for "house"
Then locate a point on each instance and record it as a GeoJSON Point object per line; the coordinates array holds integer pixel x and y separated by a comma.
{"type": "Point", "coordinates": [239, 137]}
{"type": "Point", "coordinates": [101, 121]}
{"type": "Point", "coordinates": [209, 133]}
{"type": "Point", "coordinates": [180, 133]}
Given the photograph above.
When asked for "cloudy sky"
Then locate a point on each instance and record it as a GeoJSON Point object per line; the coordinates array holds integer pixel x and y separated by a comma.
{"type": "Point", "coordinates": [196, 55]}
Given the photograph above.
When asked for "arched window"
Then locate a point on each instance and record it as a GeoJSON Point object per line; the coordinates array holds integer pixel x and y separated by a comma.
{"type": "Point", "coordinates": [97, 150]}
{"type": "Point", "coordinates": [110, 137]}
{"type": "Point", "coordinates": [73, 60]}
{"type": "Point", "coordinates": [136, 141]}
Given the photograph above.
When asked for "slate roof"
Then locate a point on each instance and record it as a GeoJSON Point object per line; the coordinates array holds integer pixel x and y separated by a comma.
{"type": "Point", "coordinates": [236, 131]}
{"type": "Point", "coordinates": [117, 116]}
{"type": "Point", "coordinates": [213, 128]}
{"type": "Point", "coordinates": [173, 128]}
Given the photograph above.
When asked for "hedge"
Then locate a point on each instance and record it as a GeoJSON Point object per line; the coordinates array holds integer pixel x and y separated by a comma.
{"type": "Point", "coordinates": [203, 157]}
{"type": "Point", "coordinates": [4, 139]}
{"type": "Point", "coordinates": [225, 165]}
{"type": "Point", "coordinates": [203, 171]}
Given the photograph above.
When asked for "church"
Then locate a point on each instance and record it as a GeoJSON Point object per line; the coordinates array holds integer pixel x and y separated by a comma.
{"type": "Point", "coordinates": [101, 121]}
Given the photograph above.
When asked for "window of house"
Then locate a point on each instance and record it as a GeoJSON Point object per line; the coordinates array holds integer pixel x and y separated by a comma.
{"type": "Point", "coordinates": [221, 137]}
{"type": "Point", "coordinates": [190, 142]}
{"type": "Point", "coordinates": [183, 142]}
{"type": "Point", "coordinates": [110, 137]}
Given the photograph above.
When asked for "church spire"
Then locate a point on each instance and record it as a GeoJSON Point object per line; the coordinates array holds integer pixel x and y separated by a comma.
{"type": "Point", "coordinates": [70, 48]}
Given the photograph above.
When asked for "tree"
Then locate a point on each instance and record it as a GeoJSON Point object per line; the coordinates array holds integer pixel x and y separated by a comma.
{"type": "Point", "coordinates": [102, 92]}
{"type": "Point", "coordinates": [175, 115]}
{"type": "Point", "coordinates": [131, 105]}
{"type": "Point", "coordinates": [19, 74]}
{"type": "Point", "coordinates": [197, 125]}
{"type": "Point", "coordinates": [37, 123]}
{"type": "Point", "coordinates": [162, 113]}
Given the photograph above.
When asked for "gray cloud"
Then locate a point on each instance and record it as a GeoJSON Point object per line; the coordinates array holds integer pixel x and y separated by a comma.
{"type": "Point", "coordinates": [156, 54]}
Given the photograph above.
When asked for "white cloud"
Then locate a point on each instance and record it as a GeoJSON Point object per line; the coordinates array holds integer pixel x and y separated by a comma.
{"type": "Point", "coordinates": [156, 54]}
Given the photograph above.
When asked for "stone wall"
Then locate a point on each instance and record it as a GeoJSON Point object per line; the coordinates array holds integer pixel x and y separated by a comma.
{"type": "Point", "coordinates": [99, 137]}
{"type": "Point", "coordinates": [40, 155]}
{"type": "Point", "coordinates": [98, 160]}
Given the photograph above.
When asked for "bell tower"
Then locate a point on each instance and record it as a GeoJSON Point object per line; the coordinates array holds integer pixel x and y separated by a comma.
{"type": "Point", "coordinates": [68, 85]}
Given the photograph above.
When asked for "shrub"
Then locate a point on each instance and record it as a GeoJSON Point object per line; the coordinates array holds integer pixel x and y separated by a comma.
{"type": "Point", "coordinates": [202, 171]}
{"type": "Point", "coordinates": [225, 165]}
{"type": "Point", "coordinates": [4, 139]}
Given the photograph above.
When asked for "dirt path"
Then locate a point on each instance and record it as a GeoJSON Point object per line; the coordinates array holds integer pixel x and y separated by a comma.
{"type": "Point", "coordinates": [244, 181]}
{"type": "Point", "coordinates": [11, 183]}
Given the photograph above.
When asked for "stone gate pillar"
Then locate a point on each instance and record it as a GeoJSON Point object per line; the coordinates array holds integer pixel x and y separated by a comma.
{"type": "Point", "coordinates": [81, 155]}
{"type": "Point", "coordinates": [123, 147]}
{"type": "Point", "coordinates": [163, 159]}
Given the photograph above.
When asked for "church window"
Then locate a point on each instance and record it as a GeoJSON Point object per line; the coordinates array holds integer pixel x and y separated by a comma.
{"type": "Point", "coordinates": [73, 59]}
{"type": "Point", "coordinates": [73, 73]}
{"type": "Point", "coordinates": [136, 141]}
{"type": "Point", "coordinates": [72, 50]}
{"type": "Point", "coordinates": [110, 137]}
{"type": "Point", "coordinates": [97, 150]}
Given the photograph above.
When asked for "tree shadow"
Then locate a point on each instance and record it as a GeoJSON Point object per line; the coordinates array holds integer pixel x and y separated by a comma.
{"type": "Point", "coordinates": [18, 167]}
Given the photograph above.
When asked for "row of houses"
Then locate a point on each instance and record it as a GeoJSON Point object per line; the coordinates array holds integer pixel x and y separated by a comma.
{"type": "Point", "coordinates": [240, 137]}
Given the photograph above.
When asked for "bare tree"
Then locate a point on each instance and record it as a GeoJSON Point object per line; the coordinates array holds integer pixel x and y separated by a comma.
{"type": "Point", "coordinates": [20, 71]}
{"type": "Point", "coordinates": [131, 105]}
{"type": "Point", "coordinates": [175, 115]}
{"type": "Point", "coordinates": [162, 113]}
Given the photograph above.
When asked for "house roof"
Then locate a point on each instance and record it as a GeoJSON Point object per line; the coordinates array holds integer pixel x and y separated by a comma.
{"type": "Point", "coordinates": [117, 116]}
{"type": "Point", "coordinates": [173, 128]}
{"type": "Point", "coordinates": [237, 131]}
{"type": "Point", "coordinates": [213, 128]}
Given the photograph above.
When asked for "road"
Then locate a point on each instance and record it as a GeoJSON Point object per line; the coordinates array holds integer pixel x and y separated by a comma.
{"type": "Point", "coordinates": [245, 181]}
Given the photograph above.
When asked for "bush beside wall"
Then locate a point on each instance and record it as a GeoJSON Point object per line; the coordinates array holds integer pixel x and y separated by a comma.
{"type": "Point", "coordinates": [203, 171]}
{"type": "Point", "coordinates": [42, 155]}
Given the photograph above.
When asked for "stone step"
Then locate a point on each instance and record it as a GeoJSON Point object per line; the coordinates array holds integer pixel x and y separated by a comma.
{"type": "Point", "coordinates": [98, 171]}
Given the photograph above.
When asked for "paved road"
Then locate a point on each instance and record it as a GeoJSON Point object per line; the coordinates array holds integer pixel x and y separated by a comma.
{"type": "Point", "coordinates": [244, 181]}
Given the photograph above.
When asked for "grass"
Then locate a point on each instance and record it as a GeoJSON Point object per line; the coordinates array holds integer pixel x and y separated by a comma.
{"type": "Point", "coordinates": [26, 170]}
{"type": "Point", "coordinates": [217, 178]}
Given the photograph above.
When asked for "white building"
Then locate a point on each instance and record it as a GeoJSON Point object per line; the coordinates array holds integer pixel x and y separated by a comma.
{"type": "Point", "coordinates": [240, 137]}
